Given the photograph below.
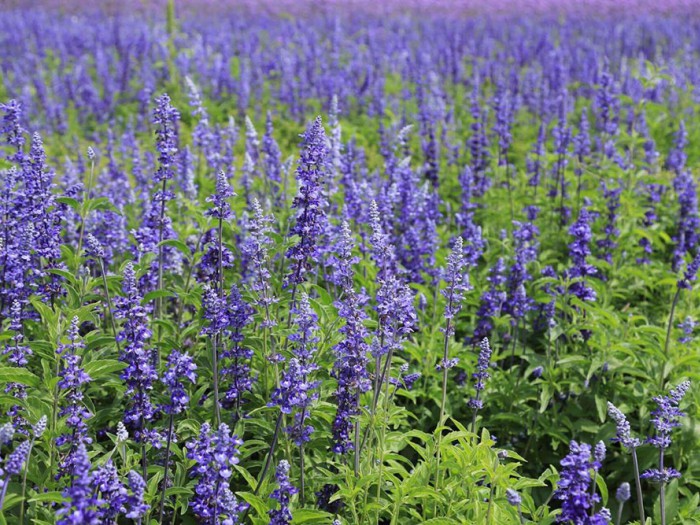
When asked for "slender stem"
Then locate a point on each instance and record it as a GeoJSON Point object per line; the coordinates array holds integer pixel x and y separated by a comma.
{"type": "Point", "coordinates": [638, 484]}
{"type": "Point", "coordinates": [302, 485]}
{"type": "Point", "coordinates": [669, 328]}
{"type": "Point", "coordinates": [662, 498]}
{"type": "Point", "coordinates": [165, 468]}
{"type": "Point", "coordinates": [270, 454]}
{"type": "Point", "coordinates": [109, 303]}
{"type": "Point", "coordinates": [82, 215]}
{"type": "Point", "coordinates": [215, 373]}
{"type": "Point", "coordinates": [619, 514]}
{"type": "Point", "coordinates": [387, 365]}
{"type": "Point", "coordinates": [593, 487]}
{"type": "Point", "coordinates": [356, 445]}
{"type": "Point", "coordinates": [475, 411]}
{"type": "Point", "coordinates": [24, 482]}
{"type": "Point", "coordinates": [443, 399]}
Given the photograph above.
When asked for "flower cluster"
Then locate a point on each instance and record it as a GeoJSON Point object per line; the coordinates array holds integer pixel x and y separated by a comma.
{"type": "Point", "coordinates": [214, 452]}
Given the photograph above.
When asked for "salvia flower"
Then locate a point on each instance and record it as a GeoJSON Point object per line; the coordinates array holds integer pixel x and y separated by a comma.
{"type": "Point", "coordinates": [690, 274]}
{"type": "Point", "coordinates": [236, 356]}
{"type": "Point", "coordinates": [214, 452]}
{"type": "Point", "coordinates": [297, 390]}
{"type": "Point", "coordinates": [310, 202]}
{"type": "Point", "coordinates": [140, 372]}
{"type": "Point", "coordinates": [623, 492]}
{"type": "Point", "coordinates": [282, 494]}
{"type": "Point", "coordinates": [221, 208]}
{"type": "Point", "coordinates": [71, 382]}
{"type": "Point", "coordinates": [579, 251]}
{"type": "Point", "coordinates": [179, 367]}
{"type": "Point", "coordinates": [513, 497]}
{"type": "Point", "coordinates": [665, 417]}
{"type": "Point", "coordinates": [481, 374]}
{"type": "Point", "coordinates": [457, 284]}
{"type": "Point", "coordinates": [624, 431]}
{"type": "Point", "coordinates": [688, 326]}
{"type": "Point", "coordinates": [254, 250]}
{"type": "Point", "coordinates": [350, 367]}
{"type": "Point", "coordinates": [574, 488]}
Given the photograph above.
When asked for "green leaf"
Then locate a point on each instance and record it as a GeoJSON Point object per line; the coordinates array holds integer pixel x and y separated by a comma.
{"type": "Point", "coordinates": [103, 367]}
{"type": "Point", "coordinates": [18, 375]}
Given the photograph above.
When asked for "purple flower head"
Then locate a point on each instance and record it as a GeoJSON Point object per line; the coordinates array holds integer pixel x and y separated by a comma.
{"type": "Point", "coordinates": [254, 249]}
{"type": "Point", "coordinates": [14, 463]}
{"type": "Point", "coordinates": [236, 356]}
{"type": "Point", "coordinates": [690, 273]}
{"type": "Point", "coordinates": [272, 158]}
{"type": "Point", "coordinates": [688, 326]}
{"type": "Point", "coordinates": [513, 497]}
{"type": "Point", "coordinates": [221, 208]}
{"type": "Point", "coordinates": [350, 367]}
{"type": "Point", "coordinates": [71, 382]}
{"type": "Point", "coordinates": [214, 453]}
{"type": "Point", "coordinates": [310, 203]}
{"type": "Point", "coordinates": [180, 367]}
{"type": "Point", "coordinates": [623, 493]}
{"type": "Point", "coordinates": [624, 432]}
{"type": "Point", "coordinates": [135, 505]}
{"type": "Point", "coordinates": [282, 494]}
{"type": "Point", "coordinates": [481, 374]}
{"type": "Point", "coordinates": [579, 250]}
{"type": "Point", "coordinates": [492, 301]}
{"type": "Point", "coordinates": [665, 417]}
{"type": "Point", "coordinates": [11, 128]}
{"type": "Point", "coordinates": [140, 372]}
{"type": "Point", "coordinates": [574, 488]}
{"type": "Point", "coordinates": [297, 390]}
{"type": "Point", "coordinates": [457, 284]}
{"type": "Point", "coordinates": [165, 117]}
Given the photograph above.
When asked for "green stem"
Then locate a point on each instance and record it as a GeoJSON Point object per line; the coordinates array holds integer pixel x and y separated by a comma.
{"type": "Point", "coordinates": [638, 484]}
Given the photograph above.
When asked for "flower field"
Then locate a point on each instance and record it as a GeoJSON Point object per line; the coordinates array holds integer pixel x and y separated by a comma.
{"type": "Point", "coordinates": [349, 263]}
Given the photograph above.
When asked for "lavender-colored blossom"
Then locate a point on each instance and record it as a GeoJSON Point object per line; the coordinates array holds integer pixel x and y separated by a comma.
{"type": "Point", "coordinates": [214, 452]}
{"type": "Point", "coordinates": [236, 356]}
{"type": "Point", "coordinates": [221, 208]}
{"type": "Point", "coordinates": [513, 497]}
{"type": "Point", "coordinates": [579, 251]}
{"type": "Point", "coordinates": [574, 488]}
{"type": "Point", "coordinates": [140, 372]}
{"type": "Point", "coordinates": [457, 284]}
{"type": "Point", "coordinates": [282, 494]}
{"type": "Point", "coordinates": [72, 381]}
{"type": "Point", "coordinates": [179, 367]}
{"type": "Point", "coordinates": [688, 326]}
{"type": "Point", "coordinates": [350, 367]}
{"type": "Point", "coordinates": [609, 243]}
{"type": "Point", "coordinates": [297, 390]}
{"type": "Point", "coordinates": [623, 493]}
{"type": "Point", "coordinates": [491, 302]}
{"type": "Point", "coordinates": [690, 274]}
{"type": "Point", "coordinates": [309, 202]}
{"type": "Point", "coordinates": [665, 417]}
{"type": "Point", "coordinates": [254, 250]}
{"type": "Point", "coordinates": [624, 431]}
{"type": "Point", "coordinates": [481, 374]}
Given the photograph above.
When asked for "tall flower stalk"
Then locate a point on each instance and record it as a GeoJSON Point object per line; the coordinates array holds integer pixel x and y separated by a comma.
{"type": "Point", "coordinates": [457, 285]}
{"type": "Point", "coordinates": [180, 367]}
{"type": "Point", "coordinates": [624, 437]}
{"type": "Point", "coordinates": [480, 376]}
{"type": "Point", "coordinates": [310, 204]}
{"type": "Point", "coordinates": [165, 116]}
{"type": "Point", "coordinates": [665, 419]}
{"type": "Point", "coordinates": [221, 211]}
